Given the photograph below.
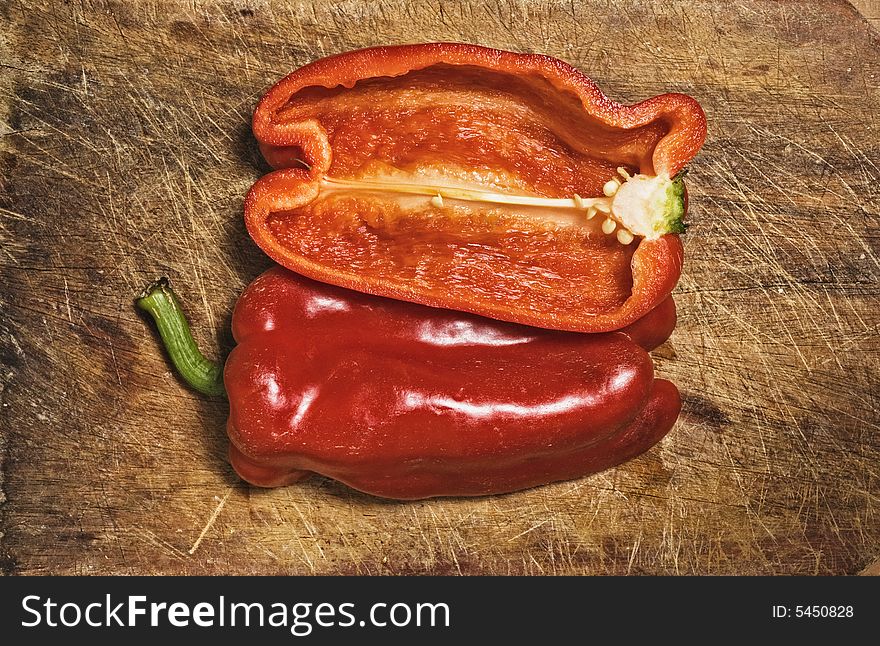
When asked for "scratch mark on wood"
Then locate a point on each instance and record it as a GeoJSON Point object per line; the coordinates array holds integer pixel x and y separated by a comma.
{"type": "Point", "coordinates": [211, 520]}
{"type": "Point", "coordinates": [67, 300]}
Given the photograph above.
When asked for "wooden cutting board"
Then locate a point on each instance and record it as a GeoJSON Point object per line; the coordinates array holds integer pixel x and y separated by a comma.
{"type": "Point", "coordinates": [127, 153]}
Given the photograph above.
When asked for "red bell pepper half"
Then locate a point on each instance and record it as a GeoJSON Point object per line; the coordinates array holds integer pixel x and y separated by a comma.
{"type": "Point", "coordinates": [474, 179]}
{"type": "Point", "coordinates": [405, 401]}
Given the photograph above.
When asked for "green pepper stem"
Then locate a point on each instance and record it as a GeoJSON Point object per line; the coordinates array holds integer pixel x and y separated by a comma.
{"type": "Point", "coordinates": [160, 302]}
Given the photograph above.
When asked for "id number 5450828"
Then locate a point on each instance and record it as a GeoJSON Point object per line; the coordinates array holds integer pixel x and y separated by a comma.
{"type": "Point", "coordinates": [823, 611]}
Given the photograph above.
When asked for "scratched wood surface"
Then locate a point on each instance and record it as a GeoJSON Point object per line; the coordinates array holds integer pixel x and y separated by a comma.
{"type": "Point", "coordinates": [126, 153]}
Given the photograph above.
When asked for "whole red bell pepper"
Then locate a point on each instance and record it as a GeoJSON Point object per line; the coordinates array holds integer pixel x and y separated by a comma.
{"type": "Point", "coordinates": [475, 179]}
{"type": "Point", "coordinates": [405, 401]}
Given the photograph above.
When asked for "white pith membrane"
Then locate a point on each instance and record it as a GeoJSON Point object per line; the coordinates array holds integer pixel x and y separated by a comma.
{"type": "Point", "coordinates": [631, 206]}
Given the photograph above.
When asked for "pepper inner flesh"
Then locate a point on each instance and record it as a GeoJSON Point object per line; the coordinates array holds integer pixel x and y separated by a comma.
{"type": "Point", "coordinates": [504, 131]}
{"type": "Point", "coordinates": [499, 254]}
{"type": "Point", "coordinates": [467, 177]}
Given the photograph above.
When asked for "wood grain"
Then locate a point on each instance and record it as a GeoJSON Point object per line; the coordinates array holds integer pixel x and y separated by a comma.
{"type": "Point", "coordinates": [126, 153]}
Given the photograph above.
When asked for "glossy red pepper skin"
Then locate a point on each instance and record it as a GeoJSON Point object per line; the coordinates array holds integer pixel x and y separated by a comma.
{"type": "Point", "coordinates": [466, 116]}
{"type": "Point", "coordinates": [404, 401]}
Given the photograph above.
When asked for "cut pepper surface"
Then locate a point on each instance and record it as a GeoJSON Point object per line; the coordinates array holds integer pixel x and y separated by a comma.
{"type": "Point", "coordinates": [474, 179]}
